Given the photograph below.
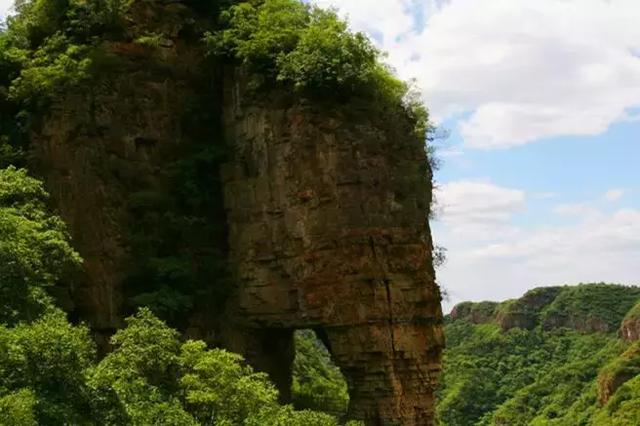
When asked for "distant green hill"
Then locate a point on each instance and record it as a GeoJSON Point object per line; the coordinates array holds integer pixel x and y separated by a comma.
{"type": "Point", "coordinates": [556, 356]}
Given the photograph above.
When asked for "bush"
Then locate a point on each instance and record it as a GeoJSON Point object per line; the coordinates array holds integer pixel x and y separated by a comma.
{"type": "Point", "coordinates": [312, 50]}
{"type": "Point", "coordinates": [49, 358]}
{"type": "Point", "coordinates": [35, 250]}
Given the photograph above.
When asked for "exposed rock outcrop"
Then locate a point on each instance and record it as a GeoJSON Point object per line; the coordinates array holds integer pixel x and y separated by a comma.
{"type": "Point", "coordinates": [525, 312]}
{"type": "Point", "coordinates": [474, 312]}
{"type": "Point", "coordinates": [619, 371]}
{"type": "Point", "coordinates": [97, 147]}
{"type": "Point", "coordinates": [327, 221]}
{"type": "Point", "coordinates": [588, 308]}
{"type": "Point", "coordinates": [326, 217]}
{"type": "Point", "coordinates": [630, 327]}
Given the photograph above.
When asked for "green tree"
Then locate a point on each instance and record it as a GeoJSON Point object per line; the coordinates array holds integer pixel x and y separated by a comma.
{"type": "Point", "coordinates": [317, 383]}
{"type": "Point", "coordinates": [35, 249]}
{"type": "Point", "coordinates": [18, 408]}
{"type": "Point", "coordinates": [47, 357]}
{"type": "Point", "coordinates": [156, 379]}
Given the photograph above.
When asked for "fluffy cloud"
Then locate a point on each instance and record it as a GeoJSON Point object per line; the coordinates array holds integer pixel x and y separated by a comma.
{"type": "Point", "coordinates": [506, 260]}
{"type": "Point", "coordinates": [520, 70]}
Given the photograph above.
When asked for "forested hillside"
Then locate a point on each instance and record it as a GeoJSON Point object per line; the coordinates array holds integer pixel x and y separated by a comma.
{"type": "Point", "coordinates": [556, 356]}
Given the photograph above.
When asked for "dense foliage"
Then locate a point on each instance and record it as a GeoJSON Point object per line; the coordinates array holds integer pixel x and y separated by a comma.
{"type": "Point", "coordinates": [35, 251]}
{"type": "Point", "coordinates": [49, 372]}
{"type": "Point", "coordinates": [544, 375]}
{"type": "Point", "coordinates": [50, 376]}
{"type": "Point", "coordinates": [317, 383]}
{"type": "Point", "coordinates": [304, 45]}
{"type": "Point", "coordinates": [311, 49]}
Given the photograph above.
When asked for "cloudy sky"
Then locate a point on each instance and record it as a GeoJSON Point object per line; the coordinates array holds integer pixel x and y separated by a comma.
{"type": "Point", "coordinates": [540, 183]}
{"type": "Point", "coordinates": [5, 5]}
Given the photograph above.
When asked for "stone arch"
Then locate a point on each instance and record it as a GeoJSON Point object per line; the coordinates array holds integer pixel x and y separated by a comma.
{"type": "Point", "coordinates": [318, 239]}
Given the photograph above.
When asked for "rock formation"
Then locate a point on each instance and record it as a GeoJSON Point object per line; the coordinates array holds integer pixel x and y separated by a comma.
{"type": "Point", "coordinates": [328, 230]}
{"type": "Point", "coordinates": [619, 371]}
{"type": "Point", "coordinates": [630, 327]}
{"type": "Point", "coordinates": [96, 148]}
{"type": "Point", "coordinates": [525, 312]}
{"type": "Point", "coordinates": [475, 313]}
{"type": "Point", "coordinates": [327, 218]}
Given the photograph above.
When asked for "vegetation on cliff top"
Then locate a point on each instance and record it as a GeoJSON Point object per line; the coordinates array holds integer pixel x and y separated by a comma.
{"type": "Point", "coordinates": [312, 50]}
{"type": "Point", "coordinates": [554, 371]}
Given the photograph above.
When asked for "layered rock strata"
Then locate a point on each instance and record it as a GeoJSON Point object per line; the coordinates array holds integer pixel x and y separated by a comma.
{"type": "Point", "coordinates": [327, 215]}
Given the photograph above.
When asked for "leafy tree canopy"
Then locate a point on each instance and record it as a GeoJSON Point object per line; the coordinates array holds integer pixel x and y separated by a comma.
{"type": "Point", "coordinates": [35, 249]}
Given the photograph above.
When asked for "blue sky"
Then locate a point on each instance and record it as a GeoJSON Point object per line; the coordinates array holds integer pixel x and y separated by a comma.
{"type": "Point", "coordinates": [540, 182]}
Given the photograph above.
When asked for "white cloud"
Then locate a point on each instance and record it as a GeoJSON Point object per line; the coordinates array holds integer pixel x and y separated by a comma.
{"type": "Point", "coordinates": [477, 202]}
{"type": "Point", "coordinates": [614, 194]}
{"type": "Point", "coordinates": [5, 5]}
{"type": "Point", "coordinates": [477, 210]}
{"type": "Point", "coordinates": [521, 70]}
{"type": "Point", "coordinates": [505, 260]}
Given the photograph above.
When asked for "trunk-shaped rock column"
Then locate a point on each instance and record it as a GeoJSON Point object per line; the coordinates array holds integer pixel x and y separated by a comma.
{"type": "Point", "coordinates": [327, 213]}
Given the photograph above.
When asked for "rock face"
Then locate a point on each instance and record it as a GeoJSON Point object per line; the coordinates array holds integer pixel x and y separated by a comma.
{"type": "Point", "coordinates": [587, 308]}
{"type": "Point", "coordinates": [326, 210]}
{"type": "Point", "coordinates": [619, 371]}
{"type": "Point", "coordinates": [524, 312]}
{"type": "Point", "coordinates": [630, 327]}
{"type": "Point", "coordinates": [97, 147]}
{"type": "Point", "coordinates": [475, 313]}
{"type": "Point", "coordinates": [327, 214]}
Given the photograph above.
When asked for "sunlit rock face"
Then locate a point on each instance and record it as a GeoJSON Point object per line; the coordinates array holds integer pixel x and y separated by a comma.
{"type": "Point", "coordinates": [327, 217]}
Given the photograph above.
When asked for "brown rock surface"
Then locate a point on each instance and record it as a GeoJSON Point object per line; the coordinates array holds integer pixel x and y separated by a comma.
{"type": "Point", "coordinates": [327, 214]}
{"type": "Point", "coordinates": [630, 327]}
{"type": "Point", "coordinates": [100, 144]}
{"type": "Point", "coordinates": [327, 219]}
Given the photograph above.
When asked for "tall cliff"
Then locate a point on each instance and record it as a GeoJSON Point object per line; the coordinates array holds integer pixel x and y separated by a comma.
{"type": "Point", "coordinates": [322, 211]}
{"type": "Point", "coordinates": [327, 229]}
